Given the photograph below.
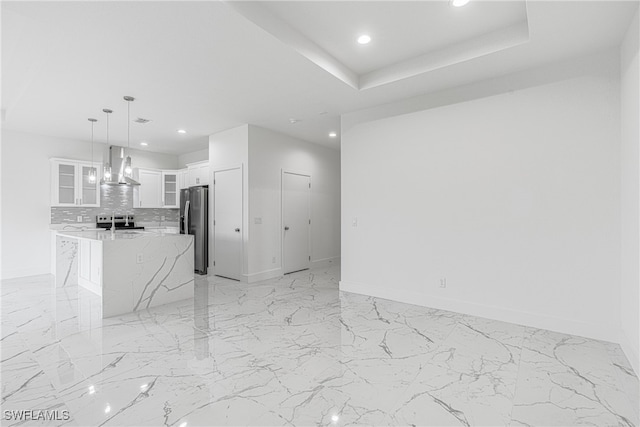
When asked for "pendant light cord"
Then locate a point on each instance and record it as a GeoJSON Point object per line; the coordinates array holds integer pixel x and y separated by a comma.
{"type": "Point", "coordinates": [128, 124]}
{"type": "Point", "coordinates": [92, 171]}
{"type": "Point", "coordinates": [92, 123]}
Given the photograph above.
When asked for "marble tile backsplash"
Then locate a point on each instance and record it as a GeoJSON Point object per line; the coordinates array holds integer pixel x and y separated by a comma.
{"type": "Point", "coordinates": [118, 199]}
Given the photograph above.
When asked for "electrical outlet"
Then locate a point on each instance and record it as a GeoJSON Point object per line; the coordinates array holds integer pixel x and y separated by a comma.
{"type": "Point", "coordinates": [79, 218]}
{"type": "Point", "coordinates": [162, 218]}
{"type": "Point", "coordinates": [139, 258]}
{"type": "Point", "coordinates": [443, 282]}
{"type": "Point", "coordinates": [354, 222]}
{"type": "Point", "coordinates": [273, 260]}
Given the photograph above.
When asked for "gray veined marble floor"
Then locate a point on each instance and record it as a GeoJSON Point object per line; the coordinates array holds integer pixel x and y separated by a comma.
{"type": "Point", "coordinates": [296, 351]}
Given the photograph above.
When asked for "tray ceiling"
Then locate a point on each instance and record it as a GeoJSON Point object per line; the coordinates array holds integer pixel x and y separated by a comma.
{"type": "Point", "coordinates": [408, 37]}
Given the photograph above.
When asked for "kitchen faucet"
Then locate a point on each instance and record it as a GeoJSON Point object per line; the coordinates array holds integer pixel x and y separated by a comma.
{"type": "Point", "coordinates": [113, 222]}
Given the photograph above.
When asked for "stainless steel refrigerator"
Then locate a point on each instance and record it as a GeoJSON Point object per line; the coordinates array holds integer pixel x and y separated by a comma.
{"type": "Point", "coordinates": [194, 219]}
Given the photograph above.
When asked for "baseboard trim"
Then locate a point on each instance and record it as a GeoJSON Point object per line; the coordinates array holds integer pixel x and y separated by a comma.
{"type": "Point", "coordinates": [325, 262]}
{"type": "Point", "coordinates": [25, 272]}
{"type": "Point", "coordinates": [277, 272]}
{"type": "Point", "coordinates": [535, 320]}
{"type": "Point", "coordinates": [212, 273]}
{"type": "Point", "coordinates": [633, 354]}
{"type": "Point", "coordinates": [264, 275]}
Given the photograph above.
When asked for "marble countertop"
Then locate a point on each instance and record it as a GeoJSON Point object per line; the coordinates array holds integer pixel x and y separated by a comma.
{"type": "Point", "coordinates": [80, 226]}
{"type": "Point", "coordinates": [156, 224]}
{"type": "Point", "coordinates": [91, 226]}
{"type": "Point", "coordinates": [118, 235]}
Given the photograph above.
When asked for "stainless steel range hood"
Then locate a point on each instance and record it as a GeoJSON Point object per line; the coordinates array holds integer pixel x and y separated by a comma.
{"type": "Point", "coordinates": [116, 159]}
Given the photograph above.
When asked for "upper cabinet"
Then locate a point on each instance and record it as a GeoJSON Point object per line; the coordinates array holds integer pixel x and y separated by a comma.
{"type": "Point", "coordinates": [70, 184]}
{"type": "Point", "coordinates": [183, 178]}
{"type": "Point", "coordinates": [198, 173]}
{"type": "Point", "coordinates": [170, 189]}
{"type": "Point", "coordinates": [149, 193]}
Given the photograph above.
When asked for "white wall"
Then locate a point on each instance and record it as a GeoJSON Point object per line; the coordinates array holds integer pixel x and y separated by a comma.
{"type": "Point", "coordinates": [230, 149]}
{"type": "Point", "coordinates": [196, 156]}
{"type": "Point", "coordinates": [26, 199]}
{"type": "Point", "coordinates": [148, 159]}
{"type": "Point", "coordinates": [269, 154]}
{"type": "Point", "coordinates": [513, 198]}
{"type": "Point", "coordinates": [630, 193]}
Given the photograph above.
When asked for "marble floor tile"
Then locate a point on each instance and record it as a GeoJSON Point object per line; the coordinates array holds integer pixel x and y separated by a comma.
{"type": "Point", "coordinates": [468, 380]}
{"type": "Point", "coordinates": [296, 351]}
{"type": "Point", "coordinates": [566, 380]}
{"type": "Point", "coordinates": [25, 386]}
{"type": "Point", "coordinates": [626, 377]}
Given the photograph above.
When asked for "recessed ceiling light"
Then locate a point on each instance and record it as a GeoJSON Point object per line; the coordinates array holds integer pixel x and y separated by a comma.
{"type": "Point", "coordinates": [293, 121]}
{"type": "Point", "coordinates": [182, 131]}
{"type": "Point", "coordinates": [332, 135]}
{"type": "Point", "coordinates": [364, 39]}
{"type": "Point", "coordinates": [144, 144]}
{"type": "Point", "coordinates": [459, 3]}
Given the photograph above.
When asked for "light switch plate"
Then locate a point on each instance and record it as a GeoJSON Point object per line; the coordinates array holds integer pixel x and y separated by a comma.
{"type": "Point", "coordinates": [79, 218]}
{"type": "Point", "coordinates": [139, 258]}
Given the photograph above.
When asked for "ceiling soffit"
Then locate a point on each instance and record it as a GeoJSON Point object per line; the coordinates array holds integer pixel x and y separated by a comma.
{"type": "Point", "coordinates": [511, 32]}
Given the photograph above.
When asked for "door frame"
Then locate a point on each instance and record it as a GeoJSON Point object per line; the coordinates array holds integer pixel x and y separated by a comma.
{"type": "Point", "coordinates": [212, 217]}
{"type": "Point", "coordinates": [301, 173]}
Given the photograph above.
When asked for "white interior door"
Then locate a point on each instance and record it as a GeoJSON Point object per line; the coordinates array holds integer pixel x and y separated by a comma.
{"type": "Point", "coordinates": [296, 220]}
{"type": "Point", "coordinates": [227, 223]}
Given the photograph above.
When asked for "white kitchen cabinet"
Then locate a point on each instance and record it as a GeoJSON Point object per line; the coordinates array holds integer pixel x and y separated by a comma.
{"type": "Point", "coordinates": [198, 173]}
{"type": "Point", "coordinates": [70, 184]}
{"type": "Point", "coordinates": [90, 265]}
{"type": "Point", "coordinates": [184, 178]}
{"type": "Point", "coordinates": [149, 193]}
{"type": "Point", "coordinates": [84, 262]}
{"type": "Point", "coordinates": [96, 263]}
{"type": "Point", "coordinates": [170, 189]}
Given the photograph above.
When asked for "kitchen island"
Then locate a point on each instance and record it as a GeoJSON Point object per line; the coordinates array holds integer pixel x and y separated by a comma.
{"type": "Point", "coordinates": [133, 270]}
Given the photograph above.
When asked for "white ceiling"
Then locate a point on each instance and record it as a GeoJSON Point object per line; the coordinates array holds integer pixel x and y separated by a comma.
{"type": "Point", "coordinates": [209, 66]}
{"type": "Point", "coordinates": [426, 26]}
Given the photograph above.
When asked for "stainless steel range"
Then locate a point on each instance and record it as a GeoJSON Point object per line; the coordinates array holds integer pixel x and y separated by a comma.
{"type": "Point", "coordinates": [121, 222]}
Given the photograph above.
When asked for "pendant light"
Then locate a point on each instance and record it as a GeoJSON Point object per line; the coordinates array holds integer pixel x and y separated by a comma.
{"type": "Point", "coordinates": [107, 165]}
{"type": "Point", "coordinates": [92, 172]}
{"type": "Point", "coordinates": [127, 163]}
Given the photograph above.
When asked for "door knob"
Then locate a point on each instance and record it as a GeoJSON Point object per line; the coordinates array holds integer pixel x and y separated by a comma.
{"type": "Point", "coordinates": [237, 230]}
{"type": "Point", "coordinates": [286, 228]}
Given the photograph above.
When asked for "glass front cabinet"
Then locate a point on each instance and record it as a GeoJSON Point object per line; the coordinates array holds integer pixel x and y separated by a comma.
{"type": "Point", "coordinates": [170, 189]}
{"type": "Point", "coordinates": [71, 186]}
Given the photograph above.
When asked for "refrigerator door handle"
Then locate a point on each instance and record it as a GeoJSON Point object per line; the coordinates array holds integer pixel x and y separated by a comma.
{"type": "Point", "coordinates": [186, 217]}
